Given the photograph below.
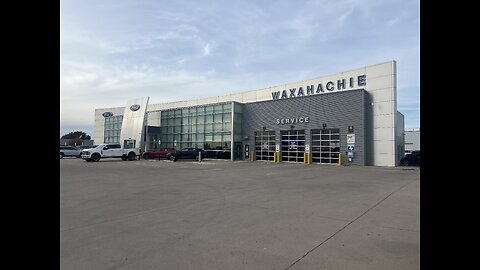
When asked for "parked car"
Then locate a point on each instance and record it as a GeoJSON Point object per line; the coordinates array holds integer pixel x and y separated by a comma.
{"type": "Point", "coordinates": [113, 150]}
{"type": "Point", "coordinates": [83, 147]}
{"type": "Point", "coordinates": [412, 159]}
{"type": "Point", "coordinates": [162, 153]}
{"type": "Point", "coordinates": [218, 154]}
{"type": "Point", "coordinates": [185, 153]}
{"type": "Point", "coordinates": [69, 151]}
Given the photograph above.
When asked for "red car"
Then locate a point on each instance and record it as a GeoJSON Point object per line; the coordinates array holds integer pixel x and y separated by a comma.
{"type": "Point", "coordinates": [158, 154]}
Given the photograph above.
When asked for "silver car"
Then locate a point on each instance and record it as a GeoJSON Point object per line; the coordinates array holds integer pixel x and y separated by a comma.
{"type": "Point", "coordinates": [69, 151]}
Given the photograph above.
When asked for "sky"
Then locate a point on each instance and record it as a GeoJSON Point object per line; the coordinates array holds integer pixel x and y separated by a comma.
{"type": "Point", "coordinates": [115, 50]}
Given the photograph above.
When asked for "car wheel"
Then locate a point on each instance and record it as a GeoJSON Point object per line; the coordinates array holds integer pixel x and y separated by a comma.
{"type": "Point", "coordinates": [88, 159]}
{"type": "Point", "coordinates": [146, 156]}
{"type": "Point", "coordinates": [95, 157]}
{"type": "Point", "coordinates": [61, 155]}
{"type": "Point", "coordinates": [131, 156]}
{"type": "Point", "coordinates": [172, 158]}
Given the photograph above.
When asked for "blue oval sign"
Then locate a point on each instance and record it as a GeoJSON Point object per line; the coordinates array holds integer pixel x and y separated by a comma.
{"type": "Point", "coordinates": [107, 114]}
{"type": "Point", "coordinates": [135, 107]}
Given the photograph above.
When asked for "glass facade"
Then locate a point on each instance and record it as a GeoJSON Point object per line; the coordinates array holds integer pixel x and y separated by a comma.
{"type": "Point", "coordinates": [237, 122]}
{"type": "Point", "coordinates": [208, 127]}
{"type": "Point", "coordinates": [264, 145]}
{"type": "Point", "coordinates": [112, 128]}
{"type": "Point", "coordinates": [293, 145]}
{"type": "Point", "coordinates": [325, 146]}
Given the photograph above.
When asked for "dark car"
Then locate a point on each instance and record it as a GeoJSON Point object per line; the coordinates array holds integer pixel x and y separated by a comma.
{"type": "Point", "coordinates": [412, 159]}
{"type": "Point", "coordinates": [185, 153]}
{"type": "Point", "coordinates": [162, 153]}
{"type": "Point", "coordinates": [217, 154]}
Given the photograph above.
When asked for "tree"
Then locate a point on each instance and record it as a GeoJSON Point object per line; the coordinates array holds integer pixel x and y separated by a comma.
{"type": "Point", "coordinates": [75, 142]}
{"type": "Point", "coordinates": [76, 135]}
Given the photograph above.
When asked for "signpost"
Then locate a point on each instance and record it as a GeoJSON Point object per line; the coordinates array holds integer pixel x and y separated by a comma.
{"type": "Point", "coordinates": [350, 145]}
{"type": "Point", "coordinates": [350, 138]}
{"type": "Point", "coordinates": [306, 155]}
{"type": "Point", "coordinates": [276, 155]}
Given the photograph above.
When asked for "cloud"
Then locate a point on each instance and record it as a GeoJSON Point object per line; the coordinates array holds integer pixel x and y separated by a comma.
{"type": "Point", "coordinates": [181, 61]}
{"type": "Point", "coordinates": [206, 50]}
{"type": "Point", "coordinates": [163, 15]}
{"type": "Point", "coordinates": [112, 51]}
{"type": "Point", "coordinates": [85, 87]}
{"type": "Point", "coordinates": [393, 21]}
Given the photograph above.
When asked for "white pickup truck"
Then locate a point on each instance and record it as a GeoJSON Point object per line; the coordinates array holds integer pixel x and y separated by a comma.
{"type": "Point", "coordinates": [113, 150]}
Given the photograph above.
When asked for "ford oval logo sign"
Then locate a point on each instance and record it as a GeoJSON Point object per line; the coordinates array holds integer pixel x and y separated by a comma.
{"type": "Point", "coordinates": [134, 107]}
{"type": "Point", "coordinates": [107, 114]}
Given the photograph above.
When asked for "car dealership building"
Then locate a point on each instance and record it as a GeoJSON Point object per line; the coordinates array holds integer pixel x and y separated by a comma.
{"type": "Point", "coordinates": [348, 117]}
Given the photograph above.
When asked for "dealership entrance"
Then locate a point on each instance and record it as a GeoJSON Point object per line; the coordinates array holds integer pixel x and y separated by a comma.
{"type": "Point", "coordinates": [325, 146]}
{"type": "Point", "coordinates": [293, 145]}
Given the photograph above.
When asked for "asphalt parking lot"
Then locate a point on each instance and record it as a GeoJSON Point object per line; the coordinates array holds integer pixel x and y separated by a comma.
{"type": "Point", "coordinates": [150, 214]}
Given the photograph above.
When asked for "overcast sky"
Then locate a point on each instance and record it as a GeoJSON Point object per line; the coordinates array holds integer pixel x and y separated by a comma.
{"type": "Point", "coordinates": [115, 50]}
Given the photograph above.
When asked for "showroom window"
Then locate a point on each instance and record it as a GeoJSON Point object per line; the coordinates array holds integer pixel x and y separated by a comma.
{"type": "Point", "coordinates": [207, 127]}
{"type": "Point", "coordinates": [112, 128]}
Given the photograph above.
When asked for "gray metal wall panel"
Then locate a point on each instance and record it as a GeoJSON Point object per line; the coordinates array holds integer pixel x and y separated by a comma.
{"type": "Point", "coordinates": [336, 110]}
{"type": "Point", "coordinates": [368, 130]}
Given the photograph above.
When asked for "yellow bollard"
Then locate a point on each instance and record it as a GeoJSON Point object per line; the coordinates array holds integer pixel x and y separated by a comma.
{"type": "Point", "coordinates": [274, 157]}
{"type": "Point", "coordinates": [339, 159]}
{"type": "Point", "coordinates": [309, 160]}
{"type": "Point", "coordinates": [304, 158]}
